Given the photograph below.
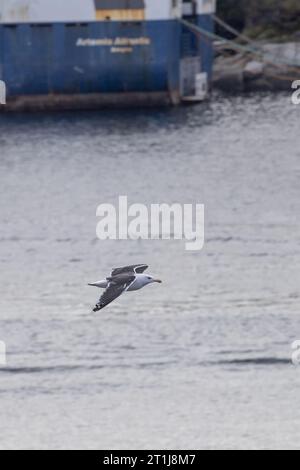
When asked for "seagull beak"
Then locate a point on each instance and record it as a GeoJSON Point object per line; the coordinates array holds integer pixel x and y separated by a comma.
{"type": "Point", "coordinates": [157, 280]}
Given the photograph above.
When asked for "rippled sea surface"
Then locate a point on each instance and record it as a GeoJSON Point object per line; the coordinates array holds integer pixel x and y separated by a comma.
{"type": "Point", "coordinates": [201, 361]}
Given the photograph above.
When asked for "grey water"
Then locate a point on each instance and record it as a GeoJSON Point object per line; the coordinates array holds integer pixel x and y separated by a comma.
{"type": "Point", "coordinates": [201, 361]}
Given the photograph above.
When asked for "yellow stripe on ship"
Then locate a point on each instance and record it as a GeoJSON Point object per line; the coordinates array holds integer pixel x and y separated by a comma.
{"type": "Point", "coordinates": [121, 15]}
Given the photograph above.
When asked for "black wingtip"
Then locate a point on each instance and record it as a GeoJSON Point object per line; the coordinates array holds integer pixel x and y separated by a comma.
{"type": "Point", "coordinates": [97, 308]}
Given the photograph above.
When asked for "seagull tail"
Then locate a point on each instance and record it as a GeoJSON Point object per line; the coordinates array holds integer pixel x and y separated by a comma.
{"type": "Point", "coordinates": [101, 284]}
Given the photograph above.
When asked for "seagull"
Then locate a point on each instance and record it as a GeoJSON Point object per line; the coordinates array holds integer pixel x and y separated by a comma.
{"type": "Point", "coordinates": [126, 279]}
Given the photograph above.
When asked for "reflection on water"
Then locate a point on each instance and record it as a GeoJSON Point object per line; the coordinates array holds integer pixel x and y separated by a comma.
{"type": "Point", "coordinates": [202, 360]}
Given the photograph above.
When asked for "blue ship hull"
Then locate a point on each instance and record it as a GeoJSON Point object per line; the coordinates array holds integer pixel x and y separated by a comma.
{"type": "Point", "coordinates": [63, 65]}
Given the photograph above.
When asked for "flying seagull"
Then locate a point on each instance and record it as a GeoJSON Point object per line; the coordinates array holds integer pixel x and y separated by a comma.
{"type": "Point", "coordinates": [126, 279]}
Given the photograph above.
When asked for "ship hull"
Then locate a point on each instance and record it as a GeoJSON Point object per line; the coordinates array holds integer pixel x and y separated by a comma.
{"type": "Point", "coordinates": [96, 64]}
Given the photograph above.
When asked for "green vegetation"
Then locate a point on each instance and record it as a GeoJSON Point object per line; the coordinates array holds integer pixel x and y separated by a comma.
{"type": "Point", "coordinates": [262, 18]}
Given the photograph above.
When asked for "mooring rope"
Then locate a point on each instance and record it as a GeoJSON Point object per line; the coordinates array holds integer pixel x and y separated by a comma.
{"type": "Point", "coordinates": [234, 31]}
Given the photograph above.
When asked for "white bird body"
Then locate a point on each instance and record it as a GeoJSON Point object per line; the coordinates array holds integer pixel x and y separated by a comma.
{"type": "Point", "coordinates": [141, 280]}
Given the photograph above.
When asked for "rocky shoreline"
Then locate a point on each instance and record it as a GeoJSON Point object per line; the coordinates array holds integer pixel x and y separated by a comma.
{"type": "Point", "coordinates": [242, 72]}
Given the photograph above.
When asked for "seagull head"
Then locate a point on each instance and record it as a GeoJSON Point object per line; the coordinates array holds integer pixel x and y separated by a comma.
{"type": "Point", "coordinates": [151, 279]}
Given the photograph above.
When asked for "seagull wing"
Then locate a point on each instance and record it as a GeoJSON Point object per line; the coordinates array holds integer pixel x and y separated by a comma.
{"type": "Point", "coordinates": [135, 268]}
{"type": "Point", "coordinates": [117, 285]}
